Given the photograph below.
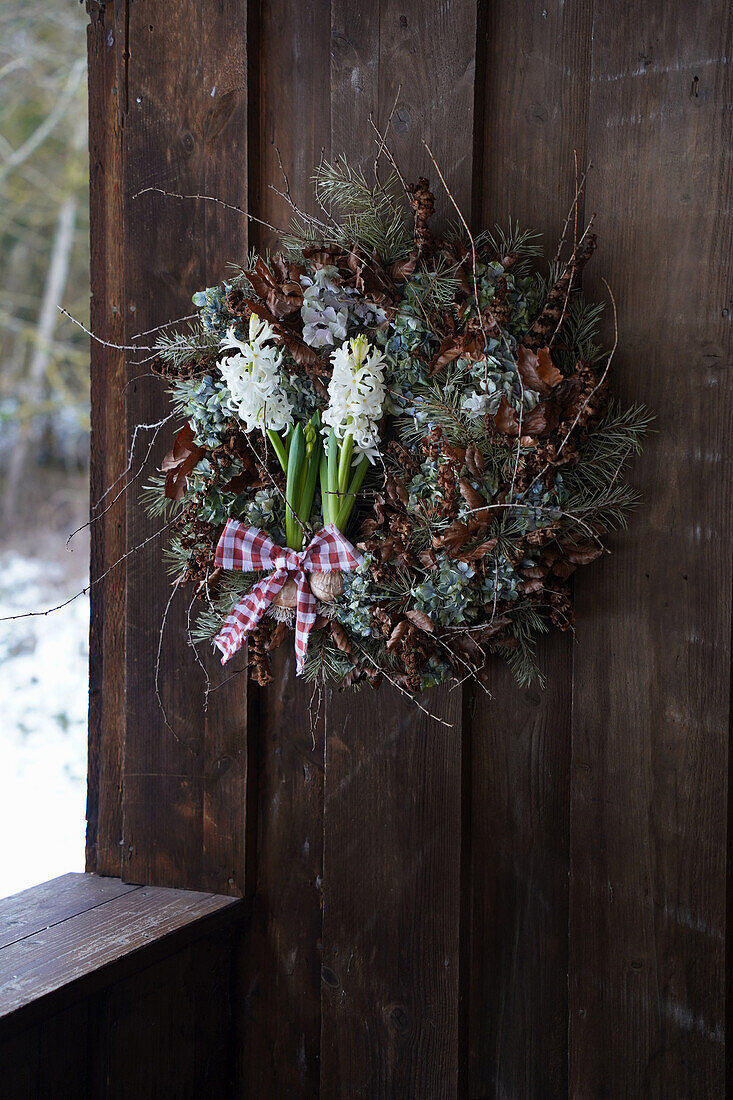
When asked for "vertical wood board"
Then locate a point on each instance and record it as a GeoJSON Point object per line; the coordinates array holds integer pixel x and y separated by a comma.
{"type": "Point", "coordinates": [185, 130]}
{"type": "Point", "coordinates": [534, 62]}
{"type": "Point", "coordinates": [652, 667]}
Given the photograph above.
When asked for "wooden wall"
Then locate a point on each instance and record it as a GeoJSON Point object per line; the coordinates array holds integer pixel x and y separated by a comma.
{"type": "Point", "coordinates": [531, 900]}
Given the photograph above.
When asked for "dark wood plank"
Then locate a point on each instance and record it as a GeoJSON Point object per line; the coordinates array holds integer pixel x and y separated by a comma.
{"type": "Point", "coordinates": [185, 130]}
{"type": "Point", "coordinates": [176, 1017]}
{"type": "Point", "coordinates": [391, 917]}
{"type": "Point", "coordinates": [290, 59]}
{"type": "Point", "coordinates": [392, 861]}
{"type": "Point", "coordinates": [161, 1029]}
{"type": "Point", "coordinates": [108, 449]}
{"type": "Point", "coordinates": [53, 902]}
{"type": "Point", "coordinates": [281, 961]}
{"type": "Point", "coordinates": [56, 957]}
{"type": "Point", "coordinates": [652, 668]}
{"type": "Point", "coordinates": [431, 51]}
{"type": "Point", "coordinates": [355, 47]}
{"type": "Point", "coordinates": [225, 165]}
{"type": "Point", "coordinates": [534, 65]}
{"type": "Point", "coordinates": [49, 1059]}
{"type": "Point", "coordinates": [281, 1015]}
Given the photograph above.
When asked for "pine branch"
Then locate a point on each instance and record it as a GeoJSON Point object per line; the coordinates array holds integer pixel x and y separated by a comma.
{"type": "Point", "coordinates": [594, 483]}
{"type": "Point", "coordinates": [521, 246]}
{"type": "Point", "coordinates": [230, 589]}
{"type": "Point", "coordinates": [374, 218]}
{"type": "Point", "coordinates": [180, 349]}
{"type": "Point", "coordinates": [154, 500]}
{"type": "Point", "coordinates": [527, 623]}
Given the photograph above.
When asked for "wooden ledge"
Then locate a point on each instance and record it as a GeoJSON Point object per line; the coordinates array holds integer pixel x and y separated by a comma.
{"type": "Point", "coordinates": [59, 939]}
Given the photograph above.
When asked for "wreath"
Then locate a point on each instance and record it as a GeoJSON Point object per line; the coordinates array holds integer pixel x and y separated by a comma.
{"type": "Point", "coordinates": [396, 448]}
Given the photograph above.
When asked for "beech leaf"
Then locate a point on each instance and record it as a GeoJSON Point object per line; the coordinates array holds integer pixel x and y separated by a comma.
{"type": "Point", "coordinates": [180, 462]}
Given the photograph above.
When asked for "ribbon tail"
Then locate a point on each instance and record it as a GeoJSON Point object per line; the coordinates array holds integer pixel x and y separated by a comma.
{"type": "Point", "coordinates": [246, 614]}
{"type": "Point", "coordinates": [305, 617]}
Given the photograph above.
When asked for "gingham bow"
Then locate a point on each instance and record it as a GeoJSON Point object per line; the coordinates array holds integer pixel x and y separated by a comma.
{"type": "Point", "coordinates": [248, 549]}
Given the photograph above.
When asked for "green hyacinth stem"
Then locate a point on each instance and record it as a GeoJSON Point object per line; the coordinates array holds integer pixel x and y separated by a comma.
{"type": "Point", "coordinates": [324, 490]}
{"type": "Point", "coordinates": [312, 466]}
{"type": "Point", "coordinates": [279, 448]}
{"type": "Point", "coordinates": [345, 509]}
{"type": "Point", "coordinates": [296, 458]}
{"type": "Point", "coordinates": [333, 479]}
{"type": "Point", "coordinates": [347, 450]}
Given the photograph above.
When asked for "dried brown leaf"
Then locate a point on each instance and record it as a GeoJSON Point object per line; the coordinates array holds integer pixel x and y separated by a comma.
{"type": "Point", "coordinates": [421, 620]}
{"type": "Point", "coordinates": [180, 462]}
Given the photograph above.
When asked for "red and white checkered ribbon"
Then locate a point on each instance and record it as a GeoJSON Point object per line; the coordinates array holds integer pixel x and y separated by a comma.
{"type": "Point", "coordinates": [249, 550]}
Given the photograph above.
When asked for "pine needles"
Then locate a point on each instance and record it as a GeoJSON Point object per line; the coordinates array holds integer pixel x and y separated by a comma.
{"type": "Point", "coordinates": [594, 483]}
{"type": "Point", "coordinates": [371, 217]}
{"type": "Point", "coordinates": [527, 623]}
{"type": "Point", "coordinates": [183, 349]}
{"type": "Point", "coordinates": [154, 500]}
{"type": "Point", "coordinates": [523, 245]}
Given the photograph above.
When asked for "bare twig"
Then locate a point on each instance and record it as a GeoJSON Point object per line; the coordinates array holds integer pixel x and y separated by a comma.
{"type": "Point", "coordinates": [157, 659]}
{"type": "Point", "coordinates": [287, 196]}
{"type": "Point", "coordinates": [166, 324]}
{"type": "Point", "coordinates": [207, 198]}
{"type": "Point", "coordinates": [384, 148]}
{"type": "Point", "coordinates": [407, 694]}
{"type": "Point", "coordinates": [194, 647]}
{"type": "Point", "coordinates": [99, 340]}
{"type": "Point", "coordinates": [579, 188]}
{"type": "Point", "coordinates": [382, 141]}
{"type": "Point", "coordinates": [155, 428]}
{"type": "Point", "coordinates": [83, 591]}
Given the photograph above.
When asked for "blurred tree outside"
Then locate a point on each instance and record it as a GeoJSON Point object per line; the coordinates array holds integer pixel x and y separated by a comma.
{"type": "Point", "coordinates": [44, 435]}
{"type": "Point", "coordinates": [44, 247]}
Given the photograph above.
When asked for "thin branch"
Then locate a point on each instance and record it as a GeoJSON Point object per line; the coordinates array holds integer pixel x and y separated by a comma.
{"type": "Point", "coordinates": [166, 324]}
{"type": "Point", "coordinates": [83, 591]}
{"type": "Point", "coordinates": [382, 147]}
{"type": "Point", "coordinates": [99, 340]}
{"type": "Point", "coordinates": [157, 659]}
{"type": "Point", "coordinates": [155, 428]}
{"type": "Point", "coordinates": [579, 188]}
{"type": "Point", "coordinates": [287, 196]}
{"type": "Point", "coordinates": [207, 198]}
{"type": "Point", "coordinates": [407, 694]}
{"type": "Point", "coordinates": [382, 142]}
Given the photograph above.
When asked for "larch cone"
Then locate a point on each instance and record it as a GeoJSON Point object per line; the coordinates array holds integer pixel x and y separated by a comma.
{"type": "Point", "coordinates": [324, 586]}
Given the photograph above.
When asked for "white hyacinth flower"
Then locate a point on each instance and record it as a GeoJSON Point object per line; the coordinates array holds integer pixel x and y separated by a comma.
{"type": "Point", "coordinates": [357, 394]}
{"type": "Point", "coordinates": [252, 375]}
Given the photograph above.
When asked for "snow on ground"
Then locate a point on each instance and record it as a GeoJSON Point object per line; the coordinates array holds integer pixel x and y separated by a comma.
{"type": "Point", "coordinates": [43, 735]}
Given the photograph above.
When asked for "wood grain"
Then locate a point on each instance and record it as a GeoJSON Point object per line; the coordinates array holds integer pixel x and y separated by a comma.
{"type": "Point", "coordinates": [52, 902]}
{"type": "Point", "coordinates": [391, 917]}
{"type": "Point", "coordinates": [108, 456]}
{"type": "Point", "coordinates": [280, 1009]}
{"type": "Point", "coordinates": [114, 1001]}
{"type": "Point", "coordinates": [532, 903]}
{"type": "Point", "coordinates": [185, 130]}
{"type": "Point", "coordinates": [533, 118]}
{"type": "Point", "coordinates": [652, 667]}
{"type": "Point", "coordinates": [391, 933]}
{"type": "Point", "coordinates": [281, 960]}
{"type": "Point", "coordinates": [64, 952]}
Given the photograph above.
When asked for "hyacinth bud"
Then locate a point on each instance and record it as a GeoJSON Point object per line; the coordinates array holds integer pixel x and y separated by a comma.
{"type": "Point", "coordinates": [359, 347]}
{"type": "Point", "coordinates": [310, 438]}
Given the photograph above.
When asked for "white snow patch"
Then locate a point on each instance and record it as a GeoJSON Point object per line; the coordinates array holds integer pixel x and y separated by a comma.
{"type": "Point", "coordinates": [44, 680]}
